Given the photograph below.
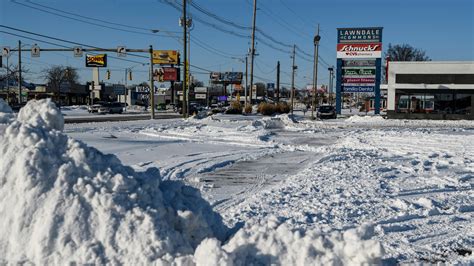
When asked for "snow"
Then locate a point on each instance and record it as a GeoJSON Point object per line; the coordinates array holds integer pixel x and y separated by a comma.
{"type": "Point", "coordinates": [6, 113]}
{"type": "Point", "coordinates": [63, 202]}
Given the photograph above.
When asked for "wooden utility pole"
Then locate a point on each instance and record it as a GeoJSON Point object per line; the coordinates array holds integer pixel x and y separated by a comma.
{"type": "Point", "coordinates": [278, 82]}
{"type": "Point", "coordinates": [293, 68]}
{"type": "Point", "coordinates": [185, 60]}
{"type": "Point", "coordinates": [152, 85]}
{"type": "Point", "coordinates": [252, 52]}
{"type": "Point", "coordinates": [19, 72]}
{"type": "Point", "coordinates": [246, 77]}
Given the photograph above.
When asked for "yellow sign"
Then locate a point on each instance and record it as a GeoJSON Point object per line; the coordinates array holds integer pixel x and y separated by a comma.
{"type": "Point", "coordinates": [165, 57]}
{"type": "Point", "coordinates": [99, 60]}
{"type": "Point", "coordinates": [186, 73]}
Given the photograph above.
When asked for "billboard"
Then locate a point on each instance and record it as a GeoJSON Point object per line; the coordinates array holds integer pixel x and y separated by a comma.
{"type": "Point", "coordinates": [226, 77]}
{"type": "Point", "coordinates": [99, 60]}
{"type": "Point", "coordinates": [166, 74]}
{"type": "Point", "coordinates": [165, 57]}
{"type": "Point", "coordinates": [359, 50]}
{"type": "Point", "coordinates": [359, 35]}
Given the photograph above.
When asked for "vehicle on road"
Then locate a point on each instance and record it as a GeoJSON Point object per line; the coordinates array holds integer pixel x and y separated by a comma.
{"type": "Point", "coordinates": [111, 108]}
{"type": "Point", "coordinates": [326, 111]}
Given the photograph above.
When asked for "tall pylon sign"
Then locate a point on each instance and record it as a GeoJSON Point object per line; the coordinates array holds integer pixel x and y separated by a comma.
{"type": "Point", "coordinates": [359, 58]}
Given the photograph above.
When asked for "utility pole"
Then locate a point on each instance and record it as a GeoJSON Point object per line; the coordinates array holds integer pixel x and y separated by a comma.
{"type": "Point", "coordinates": [293, 68]}
{"type": "Point", "coordinates": [8, 81]}
{"type": "Point", "coordinates": [19, 71]}
{"type": "Point", "coordinates": [152, 85]}
{"type": "Point", "coordinates": [315, 71]}
{"type": "Point", "coordinates": [246, 77]}
{"type": "Point", "coordinates": [278, 82]}
{"type": "Point", "coordinates": [185, 60]}
{"type": "Point", "coordinates": [252, 52]}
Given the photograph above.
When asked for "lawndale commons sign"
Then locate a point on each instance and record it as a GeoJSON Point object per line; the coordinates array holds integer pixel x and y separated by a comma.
{"type": "Point", "coordinates": [359, 53]}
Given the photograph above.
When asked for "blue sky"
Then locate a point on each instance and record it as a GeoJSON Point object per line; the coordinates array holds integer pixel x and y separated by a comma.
{"type": "Point", "coordinates": [444, 29]}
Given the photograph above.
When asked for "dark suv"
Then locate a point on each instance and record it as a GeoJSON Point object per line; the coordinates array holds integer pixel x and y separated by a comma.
{"type": "Point", "coordinates": [326, 111]}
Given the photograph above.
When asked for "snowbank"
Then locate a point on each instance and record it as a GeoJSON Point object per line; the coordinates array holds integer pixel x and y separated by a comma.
{"type": "Point", "coordinates": [274, 243]}
{"type": "Point", "coordinates": [6, 113]}
{"type": "Point", "coordinates": [63, 202]}
{"type": "Point", "coordinates": [365, 119]}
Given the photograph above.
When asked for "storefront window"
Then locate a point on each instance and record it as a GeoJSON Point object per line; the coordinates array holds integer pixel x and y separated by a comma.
{"type": "Point", "coordinates": [463, 104]}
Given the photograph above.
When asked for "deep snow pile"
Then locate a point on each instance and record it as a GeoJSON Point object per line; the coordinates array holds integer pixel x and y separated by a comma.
{"type": "Point", "coordinates": [6, 113]}
{"type": "Point", "coordinates": [61, 201]}
{"type": "Point", "coordinates": [64, 202]}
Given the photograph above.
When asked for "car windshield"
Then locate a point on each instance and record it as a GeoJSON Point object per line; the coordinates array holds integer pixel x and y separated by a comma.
{"type": "Point", "coordinates": [326, 108]}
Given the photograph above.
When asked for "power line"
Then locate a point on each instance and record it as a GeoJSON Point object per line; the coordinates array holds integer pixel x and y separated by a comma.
{"type": "Point", "coordinates": [83, 21]}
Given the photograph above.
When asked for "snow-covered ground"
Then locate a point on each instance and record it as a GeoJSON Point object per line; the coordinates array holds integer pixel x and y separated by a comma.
{"type": "Point", "coordinates": [286, 191]}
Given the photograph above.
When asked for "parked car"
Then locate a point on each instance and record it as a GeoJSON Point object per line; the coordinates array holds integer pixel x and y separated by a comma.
{"type": "Point", "coordinates": [326, 111]}
{"type": "Point", "coordinates": [193, 109]}
{"type": "Point", "coordinates": [111, 108]}
{"type": "Point", "coordinates": [95, 107]}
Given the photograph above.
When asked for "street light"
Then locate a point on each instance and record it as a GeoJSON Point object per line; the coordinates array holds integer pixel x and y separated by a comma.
{"type": "Point", "coordinates": [316, 40]}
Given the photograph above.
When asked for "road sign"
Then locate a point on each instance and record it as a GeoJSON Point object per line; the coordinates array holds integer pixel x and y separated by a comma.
{"type": "Point", "coordinates": [121, 51]}
{"type": "Point", "coordinates": [270, 86]}
{"type": "Point", "coordinates": [6, 51]}
{"type": "Point", "coordinates": [35, 51]}
{"type": "Point", "coordinates": [77, 51]}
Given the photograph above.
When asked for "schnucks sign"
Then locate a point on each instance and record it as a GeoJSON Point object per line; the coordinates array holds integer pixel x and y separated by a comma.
{"type": "Point", "coordinates": [359, 35]}
{"type": "Point", "coordinates": [359, 50]}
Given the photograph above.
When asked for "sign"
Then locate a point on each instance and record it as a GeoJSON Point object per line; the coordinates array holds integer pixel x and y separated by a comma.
{"type": "Point", "coordinates": [170, 74]}
{"type": "Point", "coordinates": [215, 76]}
{"type": "Point", "coordinates": [6, 51]}
{"type": "Point", "coordinates": [358, 88]}
{"type": "Point", "coordinates": [77, 51]}
{"type": "Point", "coordinates": [359, 50]}
{"type": "Point", "coordinates": [200, 89]}
{"type": "Point", "coordinates": [121, 51]}
{"type": "Point", "coordinates": [95, 88]}
{"type": "Point", "coordinates": [359, 35]}
{"type": "Point", "coordinates": [142, 89]}
{"type": "Point", "coordinates": [358, 63]}
{"type": "Point", "coordinates": [270, 86]}
{"type": "Point", "coordinates": [200, 96]}
{"type": "Point", "coordinates": [222, 98]}
{"type": "Point", "coordinates": [358, 80]}
{"type": "Point", "coordinates": [254, 89]}
{"type": "Point", "coordinates": [165, 57]}
{"type": "Point", "coordinates": [359, 72]}
{"type": "Point", "coordinates": [233, 77]}
{"type": "Point", "coordinates": [35, 51]}
{"type": "Point", "coordinates": [99, 60]}
{"type": "Point", "coordinates": [226, 77]}
{"type": "Point", "coordinates": [119, 89]}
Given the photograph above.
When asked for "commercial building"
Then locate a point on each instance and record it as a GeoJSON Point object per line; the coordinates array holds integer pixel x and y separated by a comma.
{"type": "Point", "coordinates": [431, 90]}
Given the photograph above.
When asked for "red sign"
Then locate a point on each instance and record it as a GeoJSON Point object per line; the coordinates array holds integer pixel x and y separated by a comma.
{"type": "Point", "coordinates": [359, 80]}
{"type": "Point", "coordinates": [170, 74]}
{"type": "Point", "coordinates": [359, 47]}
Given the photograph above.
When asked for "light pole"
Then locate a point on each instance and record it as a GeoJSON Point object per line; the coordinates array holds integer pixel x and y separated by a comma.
{"type": "Point", "coordinates": [331, 73]}
{"type": "Point", "coordinates": [316, 40]}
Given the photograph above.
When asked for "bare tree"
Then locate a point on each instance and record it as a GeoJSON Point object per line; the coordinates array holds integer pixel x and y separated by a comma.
{"type": "Point", "coordinates": [405, 52]}
{"type": "Point", "coordinates": [57, 75]}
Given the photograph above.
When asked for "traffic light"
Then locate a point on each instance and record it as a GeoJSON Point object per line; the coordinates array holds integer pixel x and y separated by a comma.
{"type": "Point", "coordinates": [108, 74]}
{"type": "Point", "coordinates": [129, 75]}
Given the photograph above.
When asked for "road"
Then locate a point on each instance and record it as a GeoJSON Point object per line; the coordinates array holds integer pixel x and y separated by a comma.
{"type": "Point", "coordinates": [119, 117]}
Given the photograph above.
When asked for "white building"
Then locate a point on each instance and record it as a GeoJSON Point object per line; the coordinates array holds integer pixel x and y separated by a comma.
{"type": "Point", "coordinates": [431, 90]}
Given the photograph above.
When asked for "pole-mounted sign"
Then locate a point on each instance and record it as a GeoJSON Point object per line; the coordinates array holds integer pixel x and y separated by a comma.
{"type": "Point", "coordinates": [99, 60]}
{"type": "Point", "coordinates": [359, 53]}
{"type": "Point", "coordinates": [35, 51]}
{"type": "Point", "coordinates": [77, 51]}
{"type": "Point", "coordinates": [6, 51]}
